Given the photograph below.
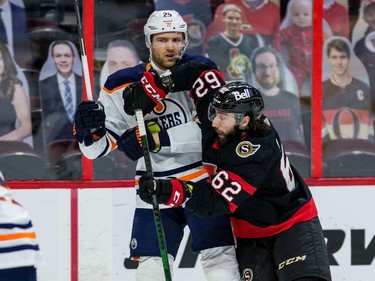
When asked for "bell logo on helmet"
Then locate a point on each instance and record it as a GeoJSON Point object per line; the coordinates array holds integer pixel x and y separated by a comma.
{"type": "Point", "coordinates": [242, 95]}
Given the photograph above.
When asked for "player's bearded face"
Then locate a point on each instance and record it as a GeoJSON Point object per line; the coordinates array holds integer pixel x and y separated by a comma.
{"type": "Point", "coordinates": [233, 135]}
{"type": "Point", "coordinates": [166, 48]}
{"type": "Point", "coordinates": [225, 127]}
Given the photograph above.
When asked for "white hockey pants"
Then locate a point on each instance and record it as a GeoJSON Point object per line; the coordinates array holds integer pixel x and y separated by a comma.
{"type": "Point", "coordinates": [219, 264]}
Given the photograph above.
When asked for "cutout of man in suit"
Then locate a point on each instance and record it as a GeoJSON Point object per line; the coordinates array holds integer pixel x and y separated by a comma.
{"type": "Point", "coordinates": [62, 65]}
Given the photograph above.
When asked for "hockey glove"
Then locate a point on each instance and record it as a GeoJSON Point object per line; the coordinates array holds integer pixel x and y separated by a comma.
{"type": "Point", "coordinates": [136, 98]}
{"type": "Point", "coordinates": [169, 192]}
{"type": "Point", "coordinates": [182, 76]}
{"type": "Point", "coordinates": [154, 86]}
{"type": "Point", "coordinates": [89, 122]}
{"type": "Point", "coordinates": [130, 141]}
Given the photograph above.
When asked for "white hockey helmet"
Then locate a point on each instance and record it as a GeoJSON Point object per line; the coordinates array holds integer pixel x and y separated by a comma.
{"type": "Point", "coordinates": [164, 21]}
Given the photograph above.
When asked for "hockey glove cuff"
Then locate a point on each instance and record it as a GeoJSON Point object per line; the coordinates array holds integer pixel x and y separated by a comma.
{"type": "Point", "coordinates": [169, 192]}
{"type": "Point", "coordinates": [154, 86]}
{"type": "Point", "coordinates": [130, 142]}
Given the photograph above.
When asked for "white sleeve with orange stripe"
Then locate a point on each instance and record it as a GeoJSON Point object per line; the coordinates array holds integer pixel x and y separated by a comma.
{"type": "Point", "coordinates": [117, 121]}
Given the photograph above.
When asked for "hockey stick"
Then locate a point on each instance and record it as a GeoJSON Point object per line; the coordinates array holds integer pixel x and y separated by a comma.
{"type": "Point", "coordinates": [85, 65]}
{"type": "Point", "coordinates": [155, 205]}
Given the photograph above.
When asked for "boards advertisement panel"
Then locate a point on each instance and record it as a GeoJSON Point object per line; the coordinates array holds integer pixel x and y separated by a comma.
{"type": "Point", "coordinates": [104, 227]}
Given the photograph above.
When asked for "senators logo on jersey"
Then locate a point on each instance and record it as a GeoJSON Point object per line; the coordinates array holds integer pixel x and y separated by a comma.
{"type": "Point", "coordinates": [245, 149]}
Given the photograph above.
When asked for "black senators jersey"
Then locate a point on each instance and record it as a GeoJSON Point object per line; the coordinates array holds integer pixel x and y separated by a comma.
{"type": "Point", "coordinates": [251, 179]}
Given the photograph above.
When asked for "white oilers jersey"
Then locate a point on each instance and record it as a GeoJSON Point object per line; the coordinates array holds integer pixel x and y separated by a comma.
{"type": "Point", "coordinates": [18, 241]}
{"type": "Point", "coordinates": [175, 114]}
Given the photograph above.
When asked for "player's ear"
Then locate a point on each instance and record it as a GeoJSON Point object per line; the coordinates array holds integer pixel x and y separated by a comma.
{"type": "Point", "coordinates": [245, 123]}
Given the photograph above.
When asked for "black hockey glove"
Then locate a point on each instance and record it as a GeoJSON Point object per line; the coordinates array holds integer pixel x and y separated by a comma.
{"type": "Point", "coordinates": [89, 122]}
{"type": "Point", "coordinates": [130, 142]}
{"type": "Point", "coordinates": [136, 98]}
{"type": "Point", "coordinates": [169, 192]}
{"type": "Point", "coordinates": [182, 76]}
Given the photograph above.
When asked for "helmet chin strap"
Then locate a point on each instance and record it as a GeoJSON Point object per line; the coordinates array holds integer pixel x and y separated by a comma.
{"type": "Point", "coordinates": [184, 48]}
{"type": "Point", "coordinates": [150, 56]}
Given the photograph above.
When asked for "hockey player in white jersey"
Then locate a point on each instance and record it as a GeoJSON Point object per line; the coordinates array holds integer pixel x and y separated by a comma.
{"type": "Point", "coordinates": [175, 142]}
{"type": "Point", "coordinates": [19, 249]}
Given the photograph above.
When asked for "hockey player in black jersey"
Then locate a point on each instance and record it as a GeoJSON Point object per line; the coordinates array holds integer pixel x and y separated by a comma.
{"type": "Point", "coordinates": [274, 217]}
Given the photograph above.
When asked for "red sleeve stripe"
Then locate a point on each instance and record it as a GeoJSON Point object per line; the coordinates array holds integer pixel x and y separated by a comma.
{"type": "Point", "coordinates": [247, 187]}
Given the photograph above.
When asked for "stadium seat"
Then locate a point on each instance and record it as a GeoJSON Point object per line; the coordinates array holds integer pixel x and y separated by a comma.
{"type": "Point", "coordinates": [70, 167]}
{"type": "Point", "coordinates": [64, 157]}
{"type": "Point", "coordinates": [32, 77]}
{"type": "Point", "coordinates": [40, 39]}
{"type": "Point", "coordinates": [14, 146]}
{"type": "Point", "coordinates": [58, 148]}
{"type": "Point", "coordinates": [124, 167]}
{"type": "Point", "coordinates": [298, 156]}
{"type": "Point", "coordinates": [22, 166]}
{"type": "Point", "coordinates": [349, 158]}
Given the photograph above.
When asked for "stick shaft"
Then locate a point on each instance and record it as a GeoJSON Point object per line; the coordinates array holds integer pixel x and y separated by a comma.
{"type": "Point", "coordinates": [155, 206]}
{"type": "Point", "coordinates": [85, 65]}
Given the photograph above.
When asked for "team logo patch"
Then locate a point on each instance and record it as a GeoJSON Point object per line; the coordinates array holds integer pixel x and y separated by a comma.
{"type": "Point", "coordinates": [169, 113]}
{"type": "Point", "coordinates": [239, 66]}
{"type": "Point", "coordinates": [247, 275]}
{"type": "Point", "coordinates": [133, 243]}
{"type": "Point", "coordinates": [245, 149]}
{"type": "Point", "coordinates": [196, 31]}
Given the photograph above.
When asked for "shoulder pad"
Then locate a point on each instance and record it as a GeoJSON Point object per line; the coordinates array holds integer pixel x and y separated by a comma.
{"type": "Point", "coordinates": [125, 76]}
